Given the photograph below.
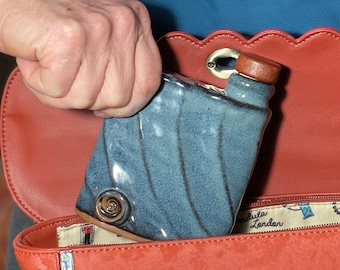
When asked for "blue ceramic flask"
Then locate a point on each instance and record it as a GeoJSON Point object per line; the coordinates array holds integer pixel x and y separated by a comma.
{"type": "Point", "coordinates": [179, 167]}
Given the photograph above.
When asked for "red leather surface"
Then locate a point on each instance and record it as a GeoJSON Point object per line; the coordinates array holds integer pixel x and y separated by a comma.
{"type": "Point", "coordinates": [309, 249]}
{"type": "Point", "coordinates": [45, 150]}
{"type": "Point", "coordinates": [300, 152]}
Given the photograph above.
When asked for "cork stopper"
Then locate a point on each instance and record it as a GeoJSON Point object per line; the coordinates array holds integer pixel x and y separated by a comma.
{"type": "Point", "coordinates": [258, 68]}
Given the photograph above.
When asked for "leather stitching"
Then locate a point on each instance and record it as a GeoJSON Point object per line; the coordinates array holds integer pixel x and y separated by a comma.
{"type": "Point", "coordinates": [7, 171]}
{"type": "Point", "coordinates": [257, 38]}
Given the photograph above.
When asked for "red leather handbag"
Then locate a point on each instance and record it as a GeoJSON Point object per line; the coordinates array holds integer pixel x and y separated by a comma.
{"type": "Point", "coordinates": [45, 152]}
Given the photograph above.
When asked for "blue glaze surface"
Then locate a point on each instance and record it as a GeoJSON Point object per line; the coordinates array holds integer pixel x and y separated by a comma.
{"type": "Point", "coordinates": [181, 164]}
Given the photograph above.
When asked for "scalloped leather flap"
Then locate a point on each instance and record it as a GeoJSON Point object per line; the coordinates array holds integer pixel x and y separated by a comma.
{"type": "Point", "coordinates": [45, 150]}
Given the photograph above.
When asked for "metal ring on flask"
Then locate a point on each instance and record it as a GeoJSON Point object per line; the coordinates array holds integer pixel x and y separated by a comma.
{"type": "Point", "coordinates": [213, 62]}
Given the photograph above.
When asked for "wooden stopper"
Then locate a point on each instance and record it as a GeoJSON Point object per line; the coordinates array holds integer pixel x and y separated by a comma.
{"type": "Point", "coordinates": [258, 68]}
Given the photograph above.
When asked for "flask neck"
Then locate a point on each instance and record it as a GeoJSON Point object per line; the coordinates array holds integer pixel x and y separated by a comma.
{"type": "Point", "coordinates": [248, 91]}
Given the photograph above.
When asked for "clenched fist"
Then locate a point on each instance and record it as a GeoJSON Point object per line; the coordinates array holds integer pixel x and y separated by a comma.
{"type": "Point", "coordinates": [83, 54]}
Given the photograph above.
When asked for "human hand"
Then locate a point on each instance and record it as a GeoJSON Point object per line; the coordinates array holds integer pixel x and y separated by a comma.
{"type": "Point", "coordinates": [86, 54]}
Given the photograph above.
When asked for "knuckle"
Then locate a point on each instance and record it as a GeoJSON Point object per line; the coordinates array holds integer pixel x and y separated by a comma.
{"type": "Point", "coordinates": [100, 24]}
{"type": "Point", "coordinates": [124, 19]}
{"type": "Point", "coordinates": [70, 33]}
{"type": "Point", "coordinates": [141, 10]}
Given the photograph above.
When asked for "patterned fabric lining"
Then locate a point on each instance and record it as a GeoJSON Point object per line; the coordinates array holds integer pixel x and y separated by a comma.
{"type": "Point", "coordinates": [288, 217]}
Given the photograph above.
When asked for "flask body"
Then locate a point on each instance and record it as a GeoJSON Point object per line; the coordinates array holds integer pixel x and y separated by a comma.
{"type": "Point", "coordinates": [179, 167]}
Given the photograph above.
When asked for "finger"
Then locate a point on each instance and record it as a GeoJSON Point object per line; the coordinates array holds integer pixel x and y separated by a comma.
{"type": "Point", "coordinates": [83, 91]}
{"type": "Point", "coordinates": [119, 79]}
{"type": "Point", "coordinates": [148, 71]}
{"type": "Point", "coordinates": [147, 82]}
{"type": "Point", "coordinates": [57, 61]}
{"type": "Point", "coordinates": [91, 75]}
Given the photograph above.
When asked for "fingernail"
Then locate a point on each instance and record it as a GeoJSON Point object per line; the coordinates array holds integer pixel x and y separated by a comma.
{"type": "Point", "coordinates": [101, 114]}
